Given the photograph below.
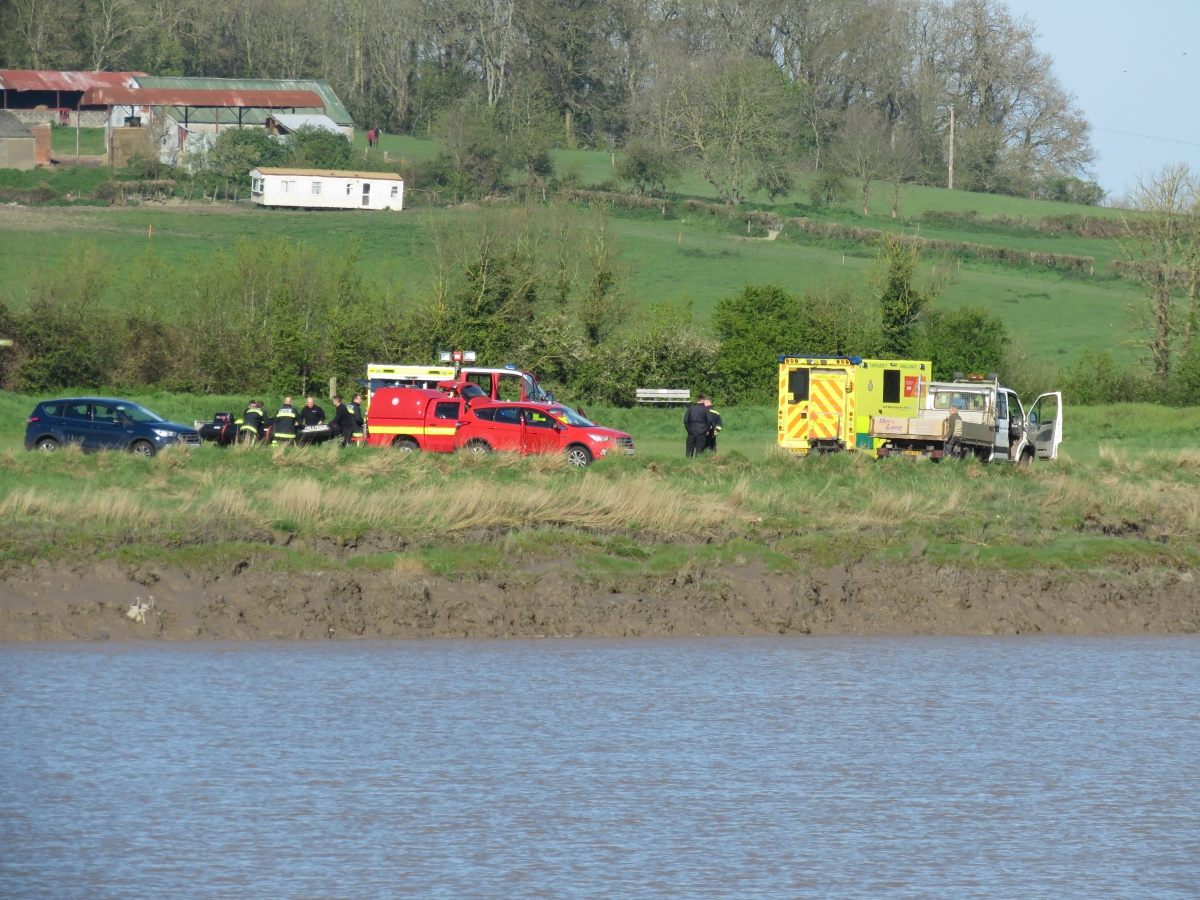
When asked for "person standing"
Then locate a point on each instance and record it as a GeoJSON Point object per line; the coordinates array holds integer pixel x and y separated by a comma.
{"type": "Point", "coordinates": [343, 421]}
{"type": "Point", "coordinates": [714, 428]}
{"type": "Point", "coordinates": [954, 435]}
{"type": "Point", "coordinates": [252, 423]}
{"type": "Point", "coordinates": [285, 423]}
{"type": "Point", "coordinates": [356, 410]}
{"type": "Point", "coordinates": [695, 422]}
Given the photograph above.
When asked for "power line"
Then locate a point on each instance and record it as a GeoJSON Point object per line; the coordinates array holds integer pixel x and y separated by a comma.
{"type": "Point", "coordinates": [1149, 137]}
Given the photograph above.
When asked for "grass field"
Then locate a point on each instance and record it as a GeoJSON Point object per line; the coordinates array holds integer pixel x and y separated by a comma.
{"type": "Point", "coordinates": [62, 142]}
{"type": "Point", "coordinates": [1124, 496]}
{"type": "Point", "coordinates": [1056, 316]}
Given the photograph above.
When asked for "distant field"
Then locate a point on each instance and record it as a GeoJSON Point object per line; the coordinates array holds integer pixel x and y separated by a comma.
{"type": "Point", "coordinates": [696, 259]}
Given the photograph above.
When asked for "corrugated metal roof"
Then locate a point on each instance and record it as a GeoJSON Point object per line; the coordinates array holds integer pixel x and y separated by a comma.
{"type": "Point", "coordinates": [12, 127]}
{"type": "Point", "coordinates": [117, 96]}
{"type": "Point", "coordinates": [333, 106]}
{"type": "Point", "coordinates": [330, 173]}
{"type": "Point", "coordinates": [43, 80]}
{"type": "Point", "coordinates": [292, 122]}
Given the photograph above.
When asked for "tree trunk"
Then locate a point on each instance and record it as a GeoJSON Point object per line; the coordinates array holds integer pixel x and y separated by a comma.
{"type": "Point", "coordinates": [866, 191]}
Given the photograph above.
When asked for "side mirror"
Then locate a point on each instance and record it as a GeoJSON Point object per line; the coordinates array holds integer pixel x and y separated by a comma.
{"type": "Point", "coordinates": [549, 397]}
{"type": "Point", "coordinates": [1033, 418]}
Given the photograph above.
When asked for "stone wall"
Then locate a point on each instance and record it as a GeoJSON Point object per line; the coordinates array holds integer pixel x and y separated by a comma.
{"type": "Point", "coordinates": [92, 118]}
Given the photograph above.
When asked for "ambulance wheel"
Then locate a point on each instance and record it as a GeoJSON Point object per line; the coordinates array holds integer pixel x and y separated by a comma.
{"type": "Point", "coordinates": [479, 447]}
{"type": "Point", "coordinates": [579, 455]}
{"type": "Point", "coordinates": [407, 444]}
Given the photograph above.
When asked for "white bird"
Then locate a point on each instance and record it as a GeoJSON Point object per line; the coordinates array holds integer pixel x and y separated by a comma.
{"type": "Point", "coordinates": [138, 610]}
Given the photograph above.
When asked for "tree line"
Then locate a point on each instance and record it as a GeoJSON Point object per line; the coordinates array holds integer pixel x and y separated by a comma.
{"type": "Point", "coordinates": [546, 289]}
{"type": "Point", "coordinates": [745, 92]}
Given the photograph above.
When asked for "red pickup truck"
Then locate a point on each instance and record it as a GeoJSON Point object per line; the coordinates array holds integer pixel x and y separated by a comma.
{"type": "Point", "coordinates": [419, 419]}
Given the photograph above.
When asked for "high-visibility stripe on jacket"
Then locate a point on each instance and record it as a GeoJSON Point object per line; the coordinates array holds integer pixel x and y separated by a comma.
{"type": "Point", "coordinates": [358, 419]}
{"type": "Point", "coordinates": [252, 420]}
{"type": "Point", "coordinates": [285, 423]}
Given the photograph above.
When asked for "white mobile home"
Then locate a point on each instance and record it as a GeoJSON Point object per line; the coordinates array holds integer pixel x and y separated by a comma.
{"type": "Point", "coordinates": [323, 189]}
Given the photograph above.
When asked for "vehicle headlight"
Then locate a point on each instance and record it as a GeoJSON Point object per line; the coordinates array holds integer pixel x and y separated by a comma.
{"type": "Point", "coordinates": [164, 434]}
{"type": "Point", "coordinates": [599, 437]}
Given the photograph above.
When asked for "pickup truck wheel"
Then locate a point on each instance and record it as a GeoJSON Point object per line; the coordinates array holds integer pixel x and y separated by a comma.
{"type": "Point", "coordinates": [1026, 458]}
{"type": "Point", "coordinates": [407, 444]}
{"type": "Point", "coordinates": [579, 455]}
{"type": "Point", "coordinates": [142, 448]}
{"type": "Point", "coordinates": [46, 445]}
{"type": "Point", "coordinates": [479, 446]}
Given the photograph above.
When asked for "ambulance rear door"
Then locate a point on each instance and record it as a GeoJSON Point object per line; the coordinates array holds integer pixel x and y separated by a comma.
{"type": "Point", "coordinates": [827, 401]}
{"type": "Point", "coordinates": [793, 406]}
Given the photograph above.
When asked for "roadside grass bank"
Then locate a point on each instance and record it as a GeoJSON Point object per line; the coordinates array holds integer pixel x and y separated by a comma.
{"type": "Point", "coordinates": [327, 542]}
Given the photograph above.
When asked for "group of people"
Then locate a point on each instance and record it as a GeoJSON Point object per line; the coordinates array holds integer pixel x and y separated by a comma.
{"type": "Point", "coordinates": [703, 424]}
{"type": "Point", "coordinates": [289, 423]}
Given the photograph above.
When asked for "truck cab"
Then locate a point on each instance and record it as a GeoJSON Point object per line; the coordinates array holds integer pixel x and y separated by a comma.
{"type": "Point", "coordinates": [508, 384]}
{"type": "Point", "coordinates": [411, 418]}
{"type": "Point", "coordinates": [993, 423]}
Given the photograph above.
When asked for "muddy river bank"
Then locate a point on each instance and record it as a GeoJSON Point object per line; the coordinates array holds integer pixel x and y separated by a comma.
{"type": "Point", "coordinates": [99, 601]}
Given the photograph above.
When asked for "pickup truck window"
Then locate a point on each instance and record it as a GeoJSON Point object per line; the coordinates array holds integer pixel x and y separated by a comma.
{"type": "Point", "coordinates": [1002, 406]}
{"type": "Point", "coordinates": [446, 410]}
{"type": "Point", "coordinates": [482, 380]}
{"type": "Point", "coordinates": [891, 385]}
{"type": "Point", "coordinates": [959, 400]}
{"type": "Point", "coordinates": [510, 388]}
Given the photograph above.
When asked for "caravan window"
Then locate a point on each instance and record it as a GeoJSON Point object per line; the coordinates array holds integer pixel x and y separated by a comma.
{"type": "Point", "coordinates": [395, 191]}
{"type": "Point", "coordinates": [316, 187]}
{"type": "Point", "coordinates": [349, 189]}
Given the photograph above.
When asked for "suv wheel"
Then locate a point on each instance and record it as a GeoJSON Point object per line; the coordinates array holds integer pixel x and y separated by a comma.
{"type": "Point", "coordinates": [142, 448]}
{"type": "Point", "coordinates": [479, 446]}
{"type": "Point", "coordinates": [579, 455]}
{"type": "Point", "coordinates": [408, 445]}
{"type": "Point", "coordinates": [46, 445]}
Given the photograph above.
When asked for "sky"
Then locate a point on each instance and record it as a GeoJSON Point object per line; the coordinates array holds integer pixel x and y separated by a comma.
{"type": "Point", "coordinates": [1134, 66]}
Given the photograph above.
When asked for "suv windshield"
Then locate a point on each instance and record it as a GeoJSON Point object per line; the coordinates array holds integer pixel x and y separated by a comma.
{"type": "Point", "coordinates": [571, 417]}
{"type": "Point", "coordinates": [138, 413]}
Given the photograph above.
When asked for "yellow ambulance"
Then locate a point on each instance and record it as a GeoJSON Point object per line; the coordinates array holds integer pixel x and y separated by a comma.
{"type": "Point", "coordinates": [826, 401]}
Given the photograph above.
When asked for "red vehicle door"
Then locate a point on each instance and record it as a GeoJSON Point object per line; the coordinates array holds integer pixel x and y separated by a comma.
{"type": "Point", "coordinates": [510, 387]}
{"type": "Point", "coordinates": [506, 429]}
{"type": "Point", "coordinates": [441, 424]}
{"type": "Point", "coordinates": [541, 432]}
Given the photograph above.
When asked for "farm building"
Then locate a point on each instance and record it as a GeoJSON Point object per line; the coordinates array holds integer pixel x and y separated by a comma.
{"type": "Point", "coordinates": [17, 143]}
{"type": "Point", "coordinates": [282, 123]}
{"type": "Point", "coordinates": [323, 189]}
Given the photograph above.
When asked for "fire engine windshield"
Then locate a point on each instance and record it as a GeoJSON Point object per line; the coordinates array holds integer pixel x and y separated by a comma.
{"type": "Point", "coordinates": [570, 417]}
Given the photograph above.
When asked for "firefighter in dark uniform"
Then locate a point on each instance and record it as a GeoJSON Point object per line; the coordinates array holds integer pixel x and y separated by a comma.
{"type": "Point", "coordinates": [310, 415]}
{"type": "Point", "coordinates": [714, 428]}
{"type": "Point", "coordinates": [343, 421]}
{"type": "Point", "coordinates": [356, 409]}
{"type": "Point", "coordinates": [252, 423]}
{"type": "Point", "coordinates": [695, 422]}
{"type": "Point", "coordinates": [285, 424]}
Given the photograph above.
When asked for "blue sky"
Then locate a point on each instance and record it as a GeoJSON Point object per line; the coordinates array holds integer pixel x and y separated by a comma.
{"type": "Point", "coordinates": [1124, 60]}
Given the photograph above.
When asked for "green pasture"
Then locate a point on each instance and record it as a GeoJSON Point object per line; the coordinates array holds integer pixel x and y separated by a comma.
{"type": "Point", "coordinates": [62, 141]}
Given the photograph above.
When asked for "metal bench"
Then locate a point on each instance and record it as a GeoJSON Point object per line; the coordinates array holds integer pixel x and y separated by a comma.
{"type": "Point", "coordinates": [665, 396]}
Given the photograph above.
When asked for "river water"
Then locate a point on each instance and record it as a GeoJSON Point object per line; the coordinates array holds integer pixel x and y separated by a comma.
{"type": "Point", "coordinates": [824, 768]}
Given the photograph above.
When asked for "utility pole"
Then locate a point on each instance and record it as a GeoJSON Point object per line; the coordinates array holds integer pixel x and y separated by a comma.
{"type": "Point", "coordinates": [951, 185]}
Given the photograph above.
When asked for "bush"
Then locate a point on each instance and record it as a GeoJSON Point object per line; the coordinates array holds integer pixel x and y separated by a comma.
{"type": "Point", "coordinates": [316, 148]}
{"type": "Point", "coordinates": [238, 150]}
{"type": "Point", "coordinates": [827, 188]}
{"type": "Point", "coordinates": [1096, 378]}
{"type": "Point", "coordinates": [650, 168]}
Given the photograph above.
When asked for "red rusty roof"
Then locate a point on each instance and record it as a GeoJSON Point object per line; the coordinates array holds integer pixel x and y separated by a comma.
{"type": "Point", "coordinates": [44, 80]}
{"type": "Point", "coordinates": [195, 97]}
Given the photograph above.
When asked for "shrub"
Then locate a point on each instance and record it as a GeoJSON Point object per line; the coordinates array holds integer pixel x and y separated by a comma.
{"type": "Point", "coordinates": [828, 188]}
{"type": "Point", "coordinates": [968, 339]}
{"type": "Point", "coordinates": [650, 168]}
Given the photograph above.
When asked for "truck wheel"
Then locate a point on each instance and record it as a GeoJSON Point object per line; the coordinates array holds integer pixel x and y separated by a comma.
{"type": "Point", "coordinates": [47, 445]}
{"type": "Point", "coordinates": [579, 455]}
{"type": "Point", "coordinates": [142, 448]}
{"type": "Point", "coordinates": [1026, 459]}
{"type": "Point", "coordinates": [406, 444]}
{"type": "Point", "coordinates": [479, 446]}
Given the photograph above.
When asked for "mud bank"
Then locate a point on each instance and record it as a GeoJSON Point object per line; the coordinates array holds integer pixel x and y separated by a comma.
{"type": "Point", "coordinates": [89, 601]}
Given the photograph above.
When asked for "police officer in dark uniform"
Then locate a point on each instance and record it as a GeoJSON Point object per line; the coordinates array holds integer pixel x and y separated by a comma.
{"type": "Point", "coordinates": [695, 422]}
{"type": "Point", "coordinates": [252, 423]}
{"type": "Point", "coordinates": [343, 421]}
{"type": "Point", "coordinates": [285, 424]}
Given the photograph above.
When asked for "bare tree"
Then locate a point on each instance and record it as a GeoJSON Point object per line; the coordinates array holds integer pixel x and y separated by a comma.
{"type": "Point", "coordinates": [727, 117]}
{"type": "Point", "coordinates": [1159, 245]}
{"type": "Point", "coordinates": [862, 149]}
{"type": "Point", "coordinates": [902, 162]}
{"type": "Point", "coordinates": [493, 39]}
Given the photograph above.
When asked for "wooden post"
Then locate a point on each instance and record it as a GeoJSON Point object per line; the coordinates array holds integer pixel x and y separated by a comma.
{"type": "Point", "coordinates": [951, 183]}
{"type": "Point", "coordinates": [78, 110]}
{"type": "Point", "coordinates": [332, 387]}
{"type": "Point", "coordinates": [108, 136]}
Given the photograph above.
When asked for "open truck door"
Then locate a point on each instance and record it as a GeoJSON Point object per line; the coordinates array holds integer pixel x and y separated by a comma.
{"type": "Point", "coordinates": [1044, 428]}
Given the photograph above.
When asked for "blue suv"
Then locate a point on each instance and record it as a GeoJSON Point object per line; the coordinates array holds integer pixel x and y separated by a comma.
{"type": "Point", "coordinates": [101, 423]}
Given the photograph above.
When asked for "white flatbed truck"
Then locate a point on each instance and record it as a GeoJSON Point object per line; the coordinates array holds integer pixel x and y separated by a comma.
{"type": "Point", "coordinates": [995, 425]}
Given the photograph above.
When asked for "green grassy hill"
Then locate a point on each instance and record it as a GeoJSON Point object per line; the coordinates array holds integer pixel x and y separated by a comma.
{"type": "Point", "coordinates": [698, 258]}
